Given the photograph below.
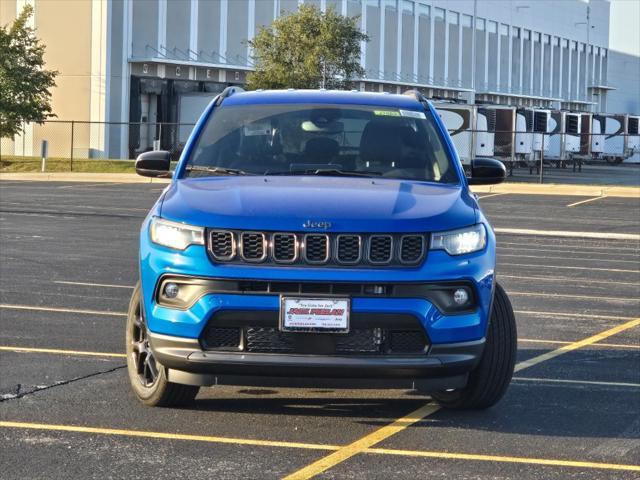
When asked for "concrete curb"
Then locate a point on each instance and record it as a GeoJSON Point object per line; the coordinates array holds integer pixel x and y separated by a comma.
{"type": "Point", "coordinates": [80, 177]}
{"type": "Point", "coordinates": [559, 189]}
{"type": "Point", "coordinates": [503, 188]}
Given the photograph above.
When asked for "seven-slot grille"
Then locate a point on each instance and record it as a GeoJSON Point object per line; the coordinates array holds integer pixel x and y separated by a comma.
{"type": "Point", "coordinates": [316, 248]}
{"type": "Point", "coordinates": [278, 248]}
{"type": "Point", "coordinates": [349, 249]}
{"type": "Point", "coordinates": [381, 249]}
{"type": "Point", "coordinates": [223, 245]}
{"type": "Point", "coordinates": [253, 246]}
{"type": "Point", "coordinates": [285, 247]}
{"type": "Point", "coordinates": [411, 248]}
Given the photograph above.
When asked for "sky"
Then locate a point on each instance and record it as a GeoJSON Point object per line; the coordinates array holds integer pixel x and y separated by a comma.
{"type": "Point", "coordinates": [624, 26]}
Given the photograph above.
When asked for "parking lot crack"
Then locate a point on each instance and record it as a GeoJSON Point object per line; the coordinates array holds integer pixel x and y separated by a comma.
{"type": "Point", "coordinates": [19, 392]}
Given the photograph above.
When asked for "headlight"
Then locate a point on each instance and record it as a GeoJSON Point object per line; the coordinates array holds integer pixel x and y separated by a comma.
{"type": "Point", "coordinates": [464, 240]}
{"type": "Point", "coordinates": [175, 235]}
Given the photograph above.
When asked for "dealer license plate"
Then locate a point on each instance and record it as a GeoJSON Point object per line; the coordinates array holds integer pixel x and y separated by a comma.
{"type": "Point", "coordinates": [320, 315]}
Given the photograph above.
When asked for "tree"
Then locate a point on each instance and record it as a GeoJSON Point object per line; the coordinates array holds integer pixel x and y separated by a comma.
{"type": "Point", "coordinates": [24, 82]}
{"type": "Point", "coordinates": [307, 49]}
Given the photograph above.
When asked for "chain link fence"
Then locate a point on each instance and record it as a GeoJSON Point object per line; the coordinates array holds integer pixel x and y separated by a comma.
{"type": "Point", "coordinates": [76, 142]}
{"type": "Point", "coordinates": [71, 145]}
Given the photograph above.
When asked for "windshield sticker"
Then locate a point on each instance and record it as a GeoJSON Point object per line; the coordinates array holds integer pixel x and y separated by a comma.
{"type": "Point", "coordinates": [386, 113]}
{"type": "Point", "coordinates": [413, 114]}
{"type": "Point", "coordinates": [257, 129]}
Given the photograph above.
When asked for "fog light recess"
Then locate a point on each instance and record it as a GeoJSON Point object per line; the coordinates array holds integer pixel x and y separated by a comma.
{"type": "Point", "coordinates": [171, 290]}
{"type": "Point", "coordinates": [460, 296]}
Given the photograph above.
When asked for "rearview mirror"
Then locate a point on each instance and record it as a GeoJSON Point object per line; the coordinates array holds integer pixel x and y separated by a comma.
{"type": "Point", "coordinates": [487, 171]}
{"type": "Point", "coordinates": [154, 164]}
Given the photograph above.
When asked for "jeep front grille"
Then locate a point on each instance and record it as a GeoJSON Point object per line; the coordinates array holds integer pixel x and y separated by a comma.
{"type": "Point", "coordinates": [253, 246]}
{"type": "Point", "coordinates": [411, 248]}
{"type": "Point", "coordinates": [349, 249]}
{"type": "Point", "coordinates": [285, 247]}
{"type": "Point", "coordinates": [381, 249]}
{"type": "Point", "coordinates": [297, 249]}
{"type": "Point", "coordinates": [316, 248]}
{"type": "Point", "coordinates": [223, 245]}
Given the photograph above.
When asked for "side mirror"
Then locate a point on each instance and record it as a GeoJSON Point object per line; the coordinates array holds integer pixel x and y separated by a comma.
{"type": "Point", "coordinates": [154, 164]}
{"type": "Point", "coordinates": [487, 171]}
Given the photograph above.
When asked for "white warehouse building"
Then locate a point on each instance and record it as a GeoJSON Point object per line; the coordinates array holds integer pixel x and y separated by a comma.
{"type": "Point", "coordinates": [146, 55]}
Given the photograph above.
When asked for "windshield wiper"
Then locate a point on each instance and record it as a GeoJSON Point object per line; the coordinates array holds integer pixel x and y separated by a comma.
{"type": "Point", "coordinates": [328, 172]}
{"type": "Point", "coordinates": [216, 170]}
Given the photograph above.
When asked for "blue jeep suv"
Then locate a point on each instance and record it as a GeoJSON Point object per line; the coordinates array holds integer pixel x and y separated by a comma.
{"type": "Point", "coordinates": [319, 238]}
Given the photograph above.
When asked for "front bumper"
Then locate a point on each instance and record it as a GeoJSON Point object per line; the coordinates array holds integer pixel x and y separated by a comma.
{"type": "Point", "coordinates": [455, 341]}
{"type": "Point", "coordinates": [445, 366]}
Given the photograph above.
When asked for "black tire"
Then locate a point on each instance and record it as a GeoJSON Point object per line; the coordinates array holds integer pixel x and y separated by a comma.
{"type": "Point", "coordinates": [489, 381]}
{"type": "Point", "coordinates": [147, 377]}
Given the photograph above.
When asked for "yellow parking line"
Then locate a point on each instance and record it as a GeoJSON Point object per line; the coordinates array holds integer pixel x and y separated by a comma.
{"type": "Point", "coordinates": [576, 345]}
{"type": "Point", "coordinates": [587, 201]}
{"type": "Point", "coordinates": [359, 446]}
{"type": "Point", "coordinates": [168, 436]}
{"type": "Point", "coordinates": [497, 458]}
{"type": "Point", "coordinates": [363, 443]}
{"type": "Point", "coordinates": [564, 342]}
{"type": "Point", "coordinates": [576, 382]}
{"type": "Point", "coordinates": [582, 245]}
{"type": "Point", "coordinates": [567, 267]}
{"type": "Point", "coordinates": [571, 315]}
{"type": "Point", "coordinates": [60, 352]}
{"type": "Point", "coordinates": [317, 446]}
{"type": "Point", "coordinates": [565, 257]}
{"type": "Point", "coordinates": [62, 310]}
{"type": "Point", "coordinates": [569, 233]}
{"type": "Point", "coordinates": [562, 295]}
{"type": "Point", "coordinates": [567, 279]}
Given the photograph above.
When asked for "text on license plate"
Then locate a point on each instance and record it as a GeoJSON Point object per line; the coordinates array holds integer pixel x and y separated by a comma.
{"type": "Point", "coordinates": [314, 314]}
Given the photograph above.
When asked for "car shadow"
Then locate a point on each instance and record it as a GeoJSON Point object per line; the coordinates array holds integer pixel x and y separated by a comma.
{"type": "Point", "coordinates": [528, 408]}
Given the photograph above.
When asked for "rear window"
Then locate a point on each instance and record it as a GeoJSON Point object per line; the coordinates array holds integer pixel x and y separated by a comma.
{"type": "Point", "coordinates": [299, 139]}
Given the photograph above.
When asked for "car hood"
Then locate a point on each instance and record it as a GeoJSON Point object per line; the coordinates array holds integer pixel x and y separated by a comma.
{"type": "Point", "coordinates": [343, 204]}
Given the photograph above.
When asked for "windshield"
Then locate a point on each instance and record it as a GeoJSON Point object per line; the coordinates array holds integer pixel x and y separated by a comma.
{"type": "Point", "coordinates": [299, 139]}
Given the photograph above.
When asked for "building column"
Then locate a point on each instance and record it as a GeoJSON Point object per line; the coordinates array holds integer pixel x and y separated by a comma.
{"type": "Point", "coordinates": [569, 70]}
{"type": "Point", "coordinates": [383, 11]}
{"type": "Point", "coordinates": [251, 24]}
{"type": "Point", "coordinates": [224, 13]}
{"type": "Point", "coordinates": [521, 73]}
{"type": "Point", "coordinates": [532, 54]}
{"type": "Point", "coordinates": [416, 39]}
{"type": "Point", "coordinates": [363, 44]}
{"type": "Point", "coordinates": [100, 32]}
{"type": "Point", "coordinates": [486, 54]}
{"type": "Point", "coordinates": [499, 53]}
{"type": "Point", "coordinates": [399, 14]}
{"type": "Point", "coordinates": [162, 26]}
{"type": "Point", "coordinates": [432, 37]}
{"type": "Point", "coordinates": [560, 67]}
{"type": "Point", "coordinates": [446, 48]}
{"type": "Point", "coordinates": [541, 91]}
{"type": "Point", "coordinates": [193, 30]}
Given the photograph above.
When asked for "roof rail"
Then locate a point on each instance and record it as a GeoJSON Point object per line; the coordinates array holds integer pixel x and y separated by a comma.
{"type": "Point", "coordinates": [419, 96]}
{"type": "Point", "coordinates": [227, 92]}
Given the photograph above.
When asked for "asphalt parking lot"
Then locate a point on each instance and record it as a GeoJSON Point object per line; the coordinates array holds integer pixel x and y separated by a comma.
{"type": "Point", "coordinates": [68, 262]}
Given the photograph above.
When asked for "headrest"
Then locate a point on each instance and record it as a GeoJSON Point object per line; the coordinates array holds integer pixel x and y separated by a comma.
{"type": "Point", "coordinates": [321, 148]}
